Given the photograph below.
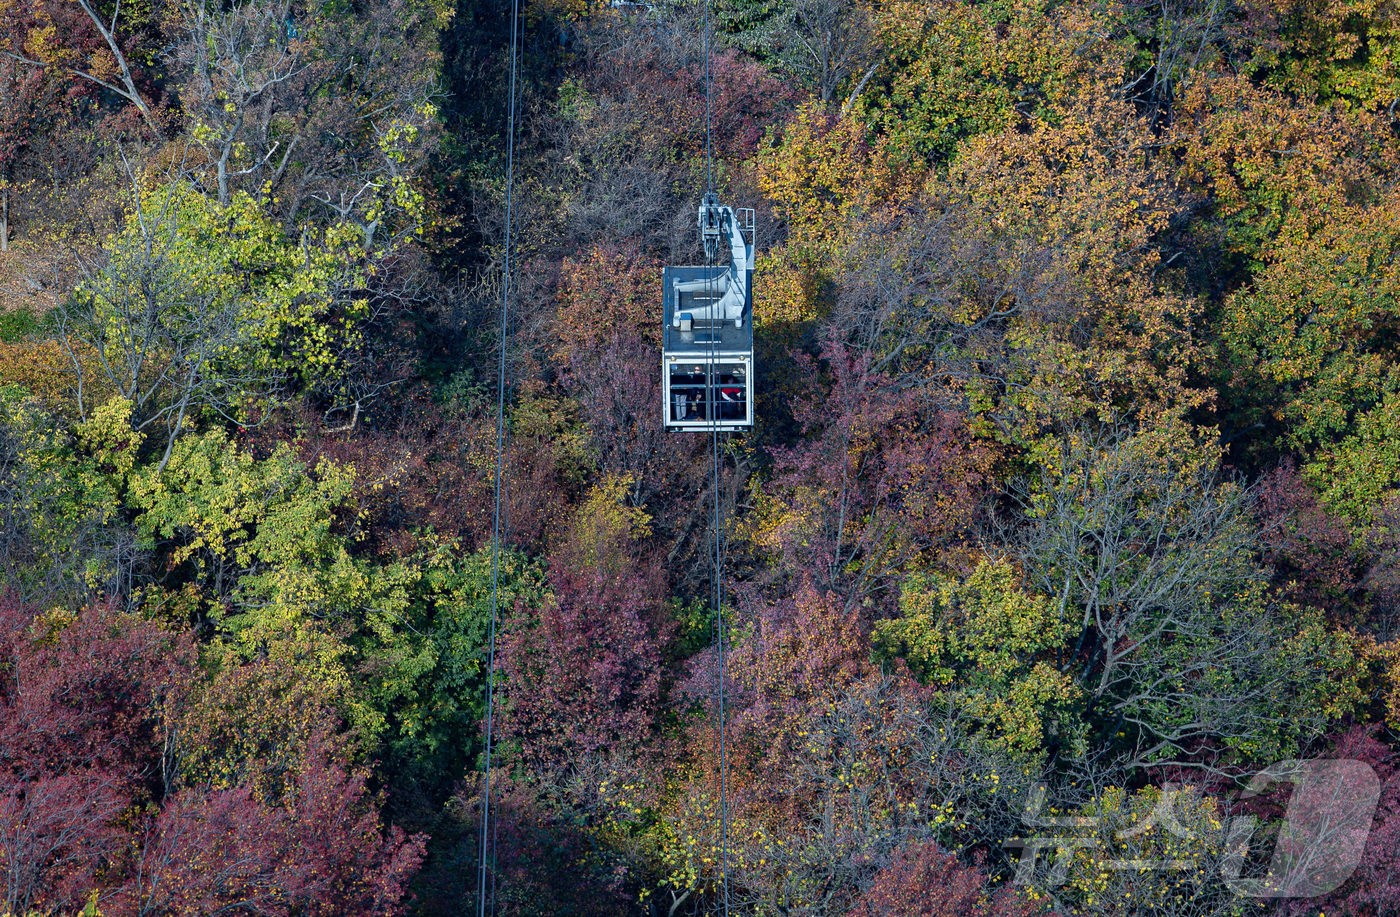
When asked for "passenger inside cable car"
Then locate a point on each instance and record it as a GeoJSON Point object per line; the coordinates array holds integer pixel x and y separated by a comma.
{"type": "Point", "coordinates": [730, 394]}
{"type": "Point", "coordinates": [687, 392]}
{"type": "Point", "coordinates": [694, 388]}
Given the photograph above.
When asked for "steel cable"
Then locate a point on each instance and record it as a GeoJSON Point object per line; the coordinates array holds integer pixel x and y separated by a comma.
{"type": "Point", "coordinates": [717, 593]}
{"type": "Point", "coordinates": [486, 895]}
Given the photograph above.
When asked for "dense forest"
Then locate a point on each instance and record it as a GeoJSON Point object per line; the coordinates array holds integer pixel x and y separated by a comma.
{"type": "Point", "coordinates": [1071, 508]}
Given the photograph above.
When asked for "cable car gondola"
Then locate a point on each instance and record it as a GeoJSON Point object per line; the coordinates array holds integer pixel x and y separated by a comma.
{"type": "Point", "coordinates": [707, 327]}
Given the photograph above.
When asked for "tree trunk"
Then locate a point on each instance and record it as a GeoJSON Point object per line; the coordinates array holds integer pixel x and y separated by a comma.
{"type": "Point", "coordinates": [4, 216]}
{"type": "Point", "coordinates": [128, 88]}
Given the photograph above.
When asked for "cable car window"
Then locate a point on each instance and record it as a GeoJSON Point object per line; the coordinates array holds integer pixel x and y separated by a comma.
{"type": "Point", "coordinates": [731, 391]}
{"type": "Point", "coordinates": [688, 392]}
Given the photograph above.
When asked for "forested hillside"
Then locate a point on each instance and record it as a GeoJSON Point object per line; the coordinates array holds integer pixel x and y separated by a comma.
{"type": "Point", "coordinates": [1072, 502]}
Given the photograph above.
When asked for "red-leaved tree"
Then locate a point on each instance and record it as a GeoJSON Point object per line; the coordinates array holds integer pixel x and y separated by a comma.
{"type": "Point", "coordinates": [880, 476]}
{"type": "Point", "coordinates": [924, 880]}
{"type": "Point", "coordinates": [320, 850]}
{"type": "Point", "coordinates": [82, 704]}
{"type": "Point", "coordinates": [584, 671]}
{"type": "Point", "coordinates": [87, 694]}
{"type": "Point", "coordinates": [1373, 889]}
{"type": "Point", "coordinates": [1308, 548]}
{"type": "Point", "coordinates": [55, 832]}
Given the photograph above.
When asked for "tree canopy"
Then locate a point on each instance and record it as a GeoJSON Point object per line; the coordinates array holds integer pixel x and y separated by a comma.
{"type": "Point", "coordinates": [1071, 515]}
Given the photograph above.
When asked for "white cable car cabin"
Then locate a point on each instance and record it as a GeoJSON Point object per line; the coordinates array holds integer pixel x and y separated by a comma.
{"type": "Point", "coordinates": [707, 327]}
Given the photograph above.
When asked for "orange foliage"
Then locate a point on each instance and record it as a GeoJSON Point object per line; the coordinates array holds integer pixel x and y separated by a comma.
{"type": "Point", "coordinates": [1275, 167]}
{"type": "Point", "coordinates": [45, 370]}
{"type": "Point", "coordinates": [824, 175]}
{"type": "Point", "coordinates": [1068, 214]}
{"type": "Point", "coordinates": [609, 292]}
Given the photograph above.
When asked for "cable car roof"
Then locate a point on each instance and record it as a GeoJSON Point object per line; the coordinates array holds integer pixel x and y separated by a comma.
{"type": "Point", "coordinates": [704, 338]}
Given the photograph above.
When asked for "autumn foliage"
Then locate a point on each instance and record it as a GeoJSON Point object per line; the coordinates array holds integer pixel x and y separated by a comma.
{"type": "Point", "coordinates": [1072, 503]}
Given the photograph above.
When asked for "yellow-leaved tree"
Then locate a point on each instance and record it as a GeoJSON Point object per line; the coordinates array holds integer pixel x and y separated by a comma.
{"type": "Point", "coordinates": [197, 308]}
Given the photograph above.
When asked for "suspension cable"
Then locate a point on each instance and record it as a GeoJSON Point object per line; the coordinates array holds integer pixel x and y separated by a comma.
{"type": "Point", "coordinates": [718, 604]}
{"type": "Point", "coordinates": [717, 593]}
{"type": "Point", "coordinates": [486, 843]}
{"type": "Point", "coordinates": [708, 41]}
